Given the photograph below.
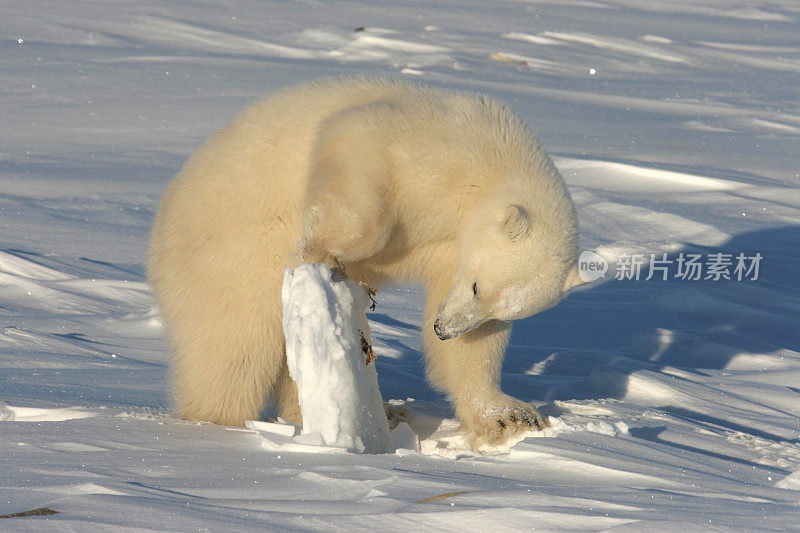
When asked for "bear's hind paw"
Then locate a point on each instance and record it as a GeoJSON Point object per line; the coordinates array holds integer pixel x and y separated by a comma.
{"type": "Point", "coordinates": [395, 414]}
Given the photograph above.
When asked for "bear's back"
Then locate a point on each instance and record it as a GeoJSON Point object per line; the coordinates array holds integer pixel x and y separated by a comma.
{"type": "Point", "coordinates": [273, 139]}
{"type": "Point", "coordinates": [251, 176]}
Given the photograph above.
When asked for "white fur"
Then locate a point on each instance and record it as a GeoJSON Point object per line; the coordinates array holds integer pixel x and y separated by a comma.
{"type": "Point", "coordinates": [394, 182]}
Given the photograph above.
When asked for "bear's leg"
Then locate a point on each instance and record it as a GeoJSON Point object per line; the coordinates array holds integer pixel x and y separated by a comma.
{"type": "Point", "coordinates": [347, 216]}
{"type": "Point", "coordinates": [225, 364]}
{"type": "Point", "coordinates": [338, 236]}
{"type": "Point", "coordinates": [286, 397]}
{"type": "Point", "coordinates": [468, 369]}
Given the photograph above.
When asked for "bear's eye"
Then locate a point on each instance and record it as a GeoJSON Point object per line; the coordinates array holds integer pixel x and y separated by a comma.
{"type": "Point", "coordinates": [475, 288]}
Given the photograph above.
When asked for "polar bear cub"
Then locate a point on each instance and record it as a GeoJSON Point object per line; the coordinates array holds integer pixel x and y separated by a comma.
{"type": "Point", "coordinates": [391, 181]}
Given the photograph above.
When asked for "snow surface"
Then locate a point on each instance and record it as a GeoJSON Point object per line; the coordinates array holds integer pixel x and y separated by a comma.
{"type": "Point", "coordinates": [674, 404]}
{"type": "Point", "coordinates": [326, 330]}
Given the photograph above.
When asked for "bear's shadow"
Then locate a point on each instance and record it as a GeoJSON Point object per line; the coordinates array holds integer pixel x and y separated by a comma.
{"type": "Point", "coordinates": [588, 346]}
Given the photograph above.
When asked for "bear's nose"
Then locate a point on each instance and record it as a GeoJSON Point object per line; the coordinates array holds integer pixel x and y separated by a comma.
{"type": "Point", "coordinates": [437, 328]}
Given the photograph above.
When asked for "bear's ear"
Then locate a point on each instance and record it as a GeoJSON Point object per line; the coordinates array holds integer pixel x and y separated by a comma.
{"type": "Point", "coordinates": [516, 222]}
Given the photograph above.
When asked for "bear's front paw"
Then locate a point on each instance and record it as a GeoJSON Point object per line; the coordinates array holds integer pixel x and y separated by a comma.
{"type": "Point", "coordinates": [494, 423]}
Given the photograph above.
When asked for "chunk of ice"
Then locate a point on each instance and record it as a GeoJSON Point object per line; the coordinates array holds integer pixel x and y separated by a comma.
{"type": "Point", "coordinates": [326, 330]}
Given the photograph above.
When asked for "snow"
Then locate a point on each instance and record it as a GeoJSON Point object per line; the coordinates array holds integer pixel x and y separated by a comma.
{"type": "Point", "coordinates": [329, 353]}
{"type": "Point", "coordinates": [674, 404]}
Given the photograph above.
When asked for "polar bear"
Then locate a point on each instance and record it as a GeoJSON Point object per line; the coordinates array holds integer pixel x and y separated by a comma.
{"type": "Point", "coordinates": [390, 181]}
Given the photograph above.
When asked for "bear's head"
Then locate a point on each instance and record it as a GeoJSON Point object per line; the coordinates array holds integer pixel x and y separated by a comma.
{"type": "Point", "coordinates": [514, 260]}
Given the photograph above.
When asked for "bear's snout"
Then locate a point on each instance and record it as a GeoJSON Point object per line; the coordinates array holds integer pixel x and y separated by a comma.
{"type": "Point", "coordinates": [439, 333]}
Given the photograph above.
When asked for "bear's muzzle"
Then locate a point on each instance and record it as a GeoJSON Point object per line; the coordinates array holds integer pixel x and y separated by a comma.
{"type": "Point", "coordinates": [439, 332]}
